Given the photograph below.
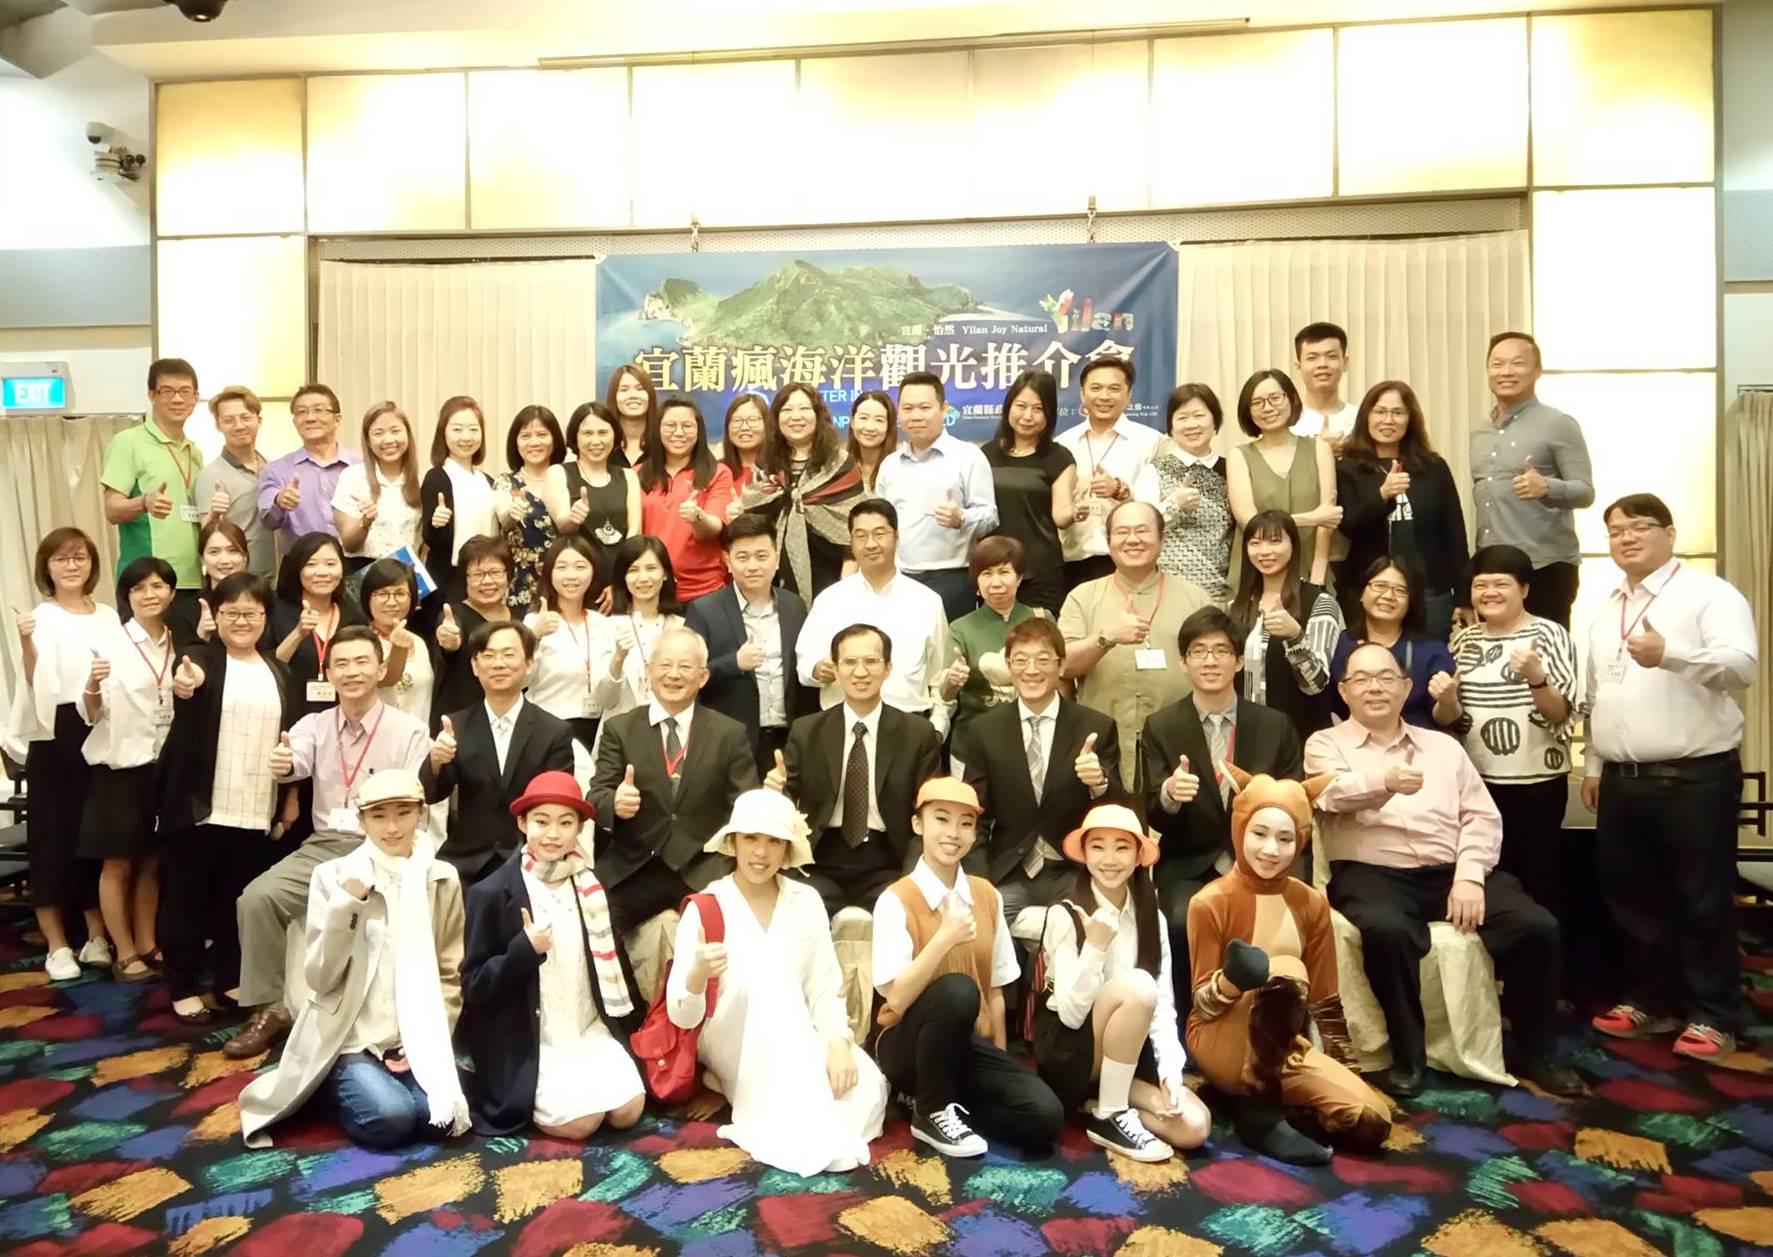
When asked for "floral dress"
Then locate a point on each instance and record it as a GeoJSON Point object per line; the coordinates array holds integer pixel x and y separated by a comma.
{"type": "Point", "coordinates": [528, 535]}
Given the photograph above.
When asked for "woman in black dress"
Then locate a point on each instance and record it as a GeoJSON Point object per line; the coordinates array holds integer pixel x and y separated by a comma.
{"type": "Point", "coordinates": [604, 492]}
{"type": "Point", "coordinates": [1034, 478]}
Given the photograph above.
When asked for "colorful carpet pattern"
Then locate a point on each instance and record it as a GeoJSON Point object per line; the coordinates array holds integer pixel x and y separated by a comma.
{"type": "Point", "coordinates": [119, 1134]}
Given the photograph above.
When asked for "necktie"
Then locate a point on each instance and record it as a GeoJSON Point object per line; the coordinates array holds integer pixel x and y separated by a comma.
{"type": "Point", "coordinates": [673, 751]}
{"type": "Point", "coordinates": [855, 790]}
{"type": "Point", "coordinates": [1037, 766]}
{"type": "Point", "coordinates": [1219, 738]}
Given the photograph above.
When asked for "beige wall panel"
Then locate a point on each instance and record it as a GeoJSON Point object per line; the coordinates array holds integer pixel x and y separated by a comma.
{"type": "Point", "coordinates": [228, 157]}
{"type": "Point", "coordinates": [237, 309]}
{"type": "Point", "coordinates": [387, 153]}
{"type": "Point", "coordinates": [725, 143]}
{"type": "Point", "coordinates": [548, 149]}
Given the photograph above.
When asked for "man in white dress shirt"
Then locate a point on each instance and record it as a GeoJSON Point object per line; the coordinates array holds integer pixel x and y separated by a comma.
{"type": "Point", "coordinates": [1668, 653]}
{"type": "Point", "coordinates": [1109, 450]}
{"type": "Point", "coordinates": [943, 491]}
{"type": "Point", "coordinates": [878, 593]}
{"type": "Point", "coordinates": [1320, 360]}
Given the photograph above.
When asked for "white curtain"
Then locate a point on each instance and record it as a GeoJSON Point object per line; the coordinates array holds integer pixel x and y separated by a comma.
{"type": "Point", "coordinates": [1419, 310]}
{"type": "Point", "coordinates": [1748, 542]}
{"type": "Point", "coordinates": [508, 334]}
{"type": "Point", "coordinates": [50, 478]}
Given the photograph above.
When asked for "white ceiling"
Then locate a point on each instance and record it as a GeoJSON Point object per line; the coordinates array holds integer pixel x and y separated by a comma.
{"type": "Point", "coordinates": [291, 36]}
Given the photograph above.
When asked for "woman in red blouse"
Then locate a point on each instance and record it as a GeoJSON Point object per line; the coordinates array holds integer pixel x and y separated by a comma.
{"type": "Point", "coordinates": [686, 493]}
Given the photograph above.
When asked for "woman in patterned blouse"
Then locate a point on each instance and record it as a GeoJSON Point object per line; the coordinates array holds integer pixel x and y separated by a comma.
{"type": "Point", "coordinates": [1185, 479]}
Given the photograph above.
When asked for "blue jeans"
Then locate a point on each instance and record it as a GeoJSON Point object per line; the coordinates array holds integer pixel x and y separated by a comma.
{"type": "Point", "coordinates": [377, 1107]}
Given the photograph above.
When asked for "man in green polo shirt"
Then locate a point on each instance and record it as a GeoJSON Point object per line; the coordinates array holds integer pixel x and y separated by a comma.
{"type": "Point", "coordinates": [150, 476]}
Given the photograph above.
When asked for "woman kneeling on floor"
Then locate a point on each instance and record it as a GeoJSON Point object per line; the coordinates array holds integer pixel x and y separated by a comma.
{"type": "Point", "coordinates": [778, 1045]}
{"type": "Point", "coordinates": [1109, 1015]}
{"type": "Point", "coordinates": [384, 980]}
{"type": "Point", "coordinates": [550, 994]}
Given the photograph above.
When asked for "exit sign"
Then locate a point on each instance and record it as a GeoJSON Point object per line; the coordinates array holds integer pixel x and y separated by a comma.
{"type": "Point", "coordinates": [35, 388]}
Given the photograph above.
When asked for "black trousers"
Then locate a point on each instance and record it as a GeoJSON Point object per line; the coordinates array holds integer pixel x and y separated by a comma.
{"type": "Point", "coordinates": [204, 871]}
{"type": "Point", "coordinates": [1553, 591]}
{"type": "Point", "coordinates": [765, 745]}
{"type": "Point", "coordinates": [933, 1055]}
{"type": "Point", "coordinates": [1392, 909]}
{"type": "Point", "coordinates": [1017, 890]}
{"type": "Point", "coordinates": [1177, 885]}
{"type": "Point", "coordinates": [955, 586]}
{"type": "Point", "coordinates": [1532, 834]}
{"type": "Point", "coordinates": [1666, 851]}
{"type": "Point", "coordinates": [851, 877]}
{"type": "Point", "coordinates": [652, 888]}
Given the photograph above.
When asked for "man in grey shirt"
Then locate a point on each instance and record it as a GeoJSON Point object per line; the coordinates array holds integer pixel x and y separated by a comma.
{"type": "Point", "coordinates": [228, 488]}
{"type": "Point", "coordinates": [1530, 471]}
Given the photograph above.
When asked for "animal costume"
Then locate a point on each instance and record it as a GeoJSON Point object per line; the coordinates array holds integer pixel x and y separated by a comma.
{"type": "Point", "coordinates": [1253, 1042]}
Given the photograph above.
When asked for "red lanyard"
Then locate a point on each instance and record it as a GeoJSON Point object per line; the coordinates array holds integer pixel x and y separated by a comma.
{"type": "Point", "coordinates": [322, 641]}
{"type": "Point", "coordinates": [350, 771]}
{"type": "Point", "coordinates": [673, 763]}
{"type": "Point", "coordinates": [1625, 628]}
{"type": "Point", "coordinates": [1129, 595]}
{"type": "Point", "coordinates": [165, 662]}
{"type": "Point", "coordinates": [185, 473]}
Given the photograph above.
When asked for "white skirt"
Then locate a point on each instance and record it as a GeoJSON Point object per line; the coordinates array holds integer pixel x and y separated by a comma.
{"type": "Point", "coordinates": [590, 1074]}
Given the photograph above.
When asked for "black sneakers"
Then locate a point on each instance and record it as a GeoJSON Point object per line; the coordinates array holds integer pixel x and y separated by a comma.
{"type": "Point", "coordinates": [946, 1131]}
{"type": "Point", "coordinates": [1124, 1133]}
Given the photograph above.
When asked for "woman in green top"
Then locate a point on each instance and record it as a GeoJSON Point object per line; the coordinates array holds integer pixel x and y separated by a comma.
{"type": "Point", "coordinates": [979, 677]}
{"type": "Point", "coordinates": [1281, 472]}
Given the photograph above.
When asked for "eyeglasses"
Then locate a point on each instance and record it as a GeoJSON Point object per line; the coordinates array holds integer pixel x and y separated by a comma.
{"type": "Point", "coordinates": [1637, 528]}
{"type": "Point", "coordinates": [1389, 587]}
{"type": "Point", "coordinates": [1143, 531]}
{"type": "Point", "coordinates": [70, 560]}
{"type": "Point", "coordinates": [861, 663]}
{"type": "Point", "coordinates": [879, 536]}
{"type": "Point", "coordinates": [1200, 654]}
{"type": "Point", "coordinates": [1373, 680]}
{"type": "Point", "coordinates": [487, 575]}
{"type": "Point", "coordinates": [1389, 412]}
{"type": "Point", "coordinates": [393, 593]}
{"type": "Point", "coordinates": [1043, 661]}
{"type": "Point", "coordinates": [250, 616]}
{"type": "Point", "coordinates": [175, 394]}
{"type": "Point", "coordinates": [310, 412]}
{"type": "Point", "coordinates": [1269, 401]}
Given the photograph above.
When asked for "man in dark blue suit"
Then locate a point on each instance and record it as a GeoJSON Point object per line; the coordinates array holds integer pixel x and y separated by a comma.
{"type": "Point", "coordinates": [751, 627]}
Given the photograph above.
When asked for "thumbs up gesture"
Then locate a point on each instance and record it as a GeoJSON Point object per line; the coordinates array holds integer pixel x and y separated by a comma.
{"type": "Point", "coordinates": [958, 925]}
{"type": "Point", "coordinates": [1182, 785]}
{"type": "Point", "coordinates": [1396, 482]}
{"type": "Point", "coordinates": [1530, 484]}
{"type": "Point", "coordinates": [708, 962]}
{"type": "Point", "coordinates": [750, 655]}
{"type": "Point", "coordinates": [27, 624]}
{"type": "Point", "coordinates": [1441, 682]}
{"type": "Point", "coordinates": [547, 622]}
{"type": "Point", "coordinates": [628, 796]}
{"type": "Point", "coordinates": [449, 633]}
{"type": "Point", "coordinates": [1087, 767]}
{"type": "Point", "coordinates": [187, 678]}
{"type": "Point", "coordinates": [1647, 646]}
{"type": "Point", "coordinates": [691, 510]}
{"type": "Point", "coordinates": [1404, 778]}
{"type": "Point", "coordinates": [158, 503]}
{"type": "Point", "coordinates": [541, 937]}
{"type": "Point", "coordinates": [282, 758]}
{"type": "Point", "coordinates": [309, 620]}
{"type": "Point", "coordinates": [441, 514]}
{"type": "Point", "coordinates": [205, 620]}
{"type": "Point", "coordinates": [1101, 927]}
{"type": "Point", "coordinates": [955, 679]}
{"type": "Point", "coordinates": [366, 510]}
{"type": "Point", "coordinates": [1186, 497]}
{"type": "Point", "coordinates": [290, 496]}
{"type": "Point", "coordinates": [581, 510]}
{"type": "Point", "coordinates": [101, 668]}
{"type": "Point", "coordinates": [443, 749]}
{"type": "Point", "coordinates": [949, 514]}
{"type": "Point", "coordinates": [219, 502]}
{"type": "Point", "coordinates": [777, 778]}
{"type": "Point", "coordinates": [1526, 664]}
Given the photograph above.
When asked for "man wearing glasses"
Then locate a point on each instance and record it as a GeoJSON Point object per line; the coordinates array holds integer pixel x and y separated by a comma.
{"type": "Point", "coordinates": [295, 491]}
{"type": "Point", "coordinates": [1120, 631]}
{"type": "Point", "coordinates": [1413, 837]}
{"type": "Point", "coordinates": [228, 488]}
{"type": "Point", "coordinates": [150, 479]}
{"type": "Point", "coordinates": [1186, 747]}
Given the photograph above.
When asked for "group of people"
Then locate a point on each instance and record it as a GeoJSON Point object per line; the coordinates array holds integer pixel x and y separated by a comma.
{"type": "Point", "coordinates": [476, 727]}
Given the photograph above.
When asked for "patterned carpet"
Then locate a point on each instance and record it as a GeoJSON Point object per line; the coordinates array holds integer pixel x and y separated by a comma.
{"type": "Point", "coordinates": [118, 1134]}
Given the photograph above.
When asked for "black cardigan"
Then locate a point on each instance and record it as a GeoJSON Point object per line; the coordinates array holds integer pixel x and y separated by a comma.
{"type": "Point", "coordinates": [440, 543]}
{"type": "Point", "coordinates": [1443, 551]}
{"type": "Point", "coordinates": [501, 1024]}
{"type": "Point", "coordinates": [304, 665]}
{"type": "Point", "coordinates": [187, 762]}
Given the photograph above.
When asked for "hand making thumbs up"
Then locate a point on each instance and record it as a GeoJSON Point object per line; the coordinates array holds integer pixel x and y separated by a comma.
{"type": "Point", "coordinates": [101, 668]}
{"type": "Point", "coordinates": [541, 937]}
{"type": "Point", "coordinates": [777, 778]}
{"type": "Point", "coordinates": [449, 633]}
{"type": "Point", "coordinates": [1182, 785]}
{"type": "Point", "coordinates": [1404, 778]}
{"type": "Point", "coordinates": [158, 503]}
{"type": "Point", "coordinates": [547, 622]}
{"type": "Point", "coordinates": [1530, 484]}
{"type": "Point", "coordinates": [581, 509]}
{"type": "Point", "coordinates": [955, 679]}
{"type": "Point", "coordinates": [1396, 482]}
{"type": "Point", "coordinates": [1089, 768]}
{"type": "Point", "coordinates": [958, 925]}
{"type": "Point", "coordinates": [628, 796]}
{"type": "Point", "coordinates": [187, 678]}
{"type": "Point", "coordinates": [443, 750]}
{"type": "Point", "coordinates": [750, 655]}
{"type": "Point", "coordinates": [1647, 646]}
{"type": "Point", "coordinates": [441, 514]}
{"type": "Point", "coordinates": [949, 514]}
{"type": "Point", "coordinates": [205, 620]}
{"type": "Point", "coordinates": [282, 758]}
{"type": "Point", "coordinates": [27, 624]}
{"type": "Point", "coordinates": [290, 496]}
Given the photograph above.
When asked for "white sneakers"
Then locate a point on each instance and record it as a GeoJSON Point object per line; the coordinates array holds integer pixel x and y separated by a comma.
{"type": "Point", "coordinates": [96, 953]}
{"type": "Point", "coordinates": [61, 965]}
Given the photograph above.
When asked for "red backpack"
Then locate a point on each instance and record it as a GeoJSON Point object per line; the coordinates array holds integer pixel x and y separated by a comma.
{"type": "Point", "coordinates": [665, 1050]}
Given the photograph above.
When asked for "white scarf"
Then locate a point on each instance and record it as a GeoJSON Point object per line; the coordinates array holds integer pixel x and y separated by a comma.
{"type": "Point", "coordinates": [600, 935]}
{"type": "Point", "coordinates": [404, 884]}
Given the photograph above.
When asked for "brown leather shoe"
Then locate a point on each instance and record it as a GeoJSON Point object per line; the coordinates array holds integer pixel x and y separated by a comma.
{"type": "Point", "coordinates": [263, 1031]}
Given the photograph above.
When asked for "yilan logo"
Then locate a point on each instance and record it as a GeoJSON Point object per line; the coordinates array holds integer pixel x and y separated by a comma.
{"type": "Point", "coordinates": [1071, 315]}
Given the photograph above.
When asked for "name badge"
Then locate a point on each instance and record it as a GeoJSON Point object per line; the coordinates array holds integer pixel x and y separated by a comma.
{"type": "Point", "coordinates": [190, 514]}
{"type": "Point", "coordinates": [1150, 659]}
{"type": "Point", "coordinates": [1613, 673]}
{"type": "Point", "coordinates": [322, 692]}
{"type": "Point", "coordinates": [163, 714]}
{"type": "Point", "coordinates": [342, 820]}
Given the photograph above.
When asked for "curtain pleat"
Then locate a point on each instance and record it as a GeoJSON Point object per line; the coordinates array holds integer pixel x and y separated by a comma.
{"type": "Point", "coordinates": [509, 334]}
{"type": "Point", "coordinates": [1748, 546]}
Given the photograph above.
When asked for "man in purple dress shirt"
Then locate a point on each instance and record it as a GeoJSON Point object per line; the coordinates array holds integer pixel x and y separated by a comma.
{"type": "Point", "coordinates": [295, 491]}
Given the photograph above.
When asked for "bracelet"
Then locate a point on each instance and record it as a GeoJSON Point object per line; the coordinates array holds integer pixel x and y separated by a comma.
{"type": "Point", "coordinates": [1539, 686]}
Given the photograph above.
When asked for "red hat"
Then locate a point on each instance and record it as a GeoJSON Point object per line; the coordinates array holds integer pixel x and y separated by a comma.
{"type": "Point", "coordinates": [553, 787]}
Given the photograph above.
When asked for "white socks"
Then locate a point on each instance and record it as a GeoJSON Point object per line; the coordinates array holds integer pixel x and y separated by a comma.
{"type": "Point", "coordinates": [1115, 1085]}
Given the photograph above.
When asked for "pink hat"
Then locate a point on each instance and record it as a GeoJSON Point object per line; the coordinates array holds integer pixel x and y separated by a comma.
{"type": "Point", "coordinates": [1119, 818]}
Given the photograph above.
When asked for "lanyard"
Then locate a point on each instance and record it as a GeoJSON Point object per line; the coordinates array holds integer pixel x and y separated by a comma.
{"type": "Point", "coordinates": [323, 640]}
{"type": "Point", "coordinates": [674, 763]}
{"type": "Point", "coordinates": [1625, 628]}
{"type": "Point", "coordinates": [165, 660]}
{"type": "Point", "coordinates": [640, 647]}
{"type": "Point", "coordinates": [185, 473]}
{"type": "Point", "coordinates": [1090, 448]}
{"type": "Point", "coordinates": [1129, 595]}
{"type": "Point", "coordinates": [350, 772]}
{"type": "Point", "coordinates": [568, 625]}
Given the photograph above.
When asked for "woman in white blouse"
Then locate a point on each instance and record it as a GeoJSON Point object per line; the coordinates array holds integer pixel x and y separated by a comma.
{"type": "Point", "coordinates": [643, 605]}
{"type": "Point", "coordinates": [59, 638]}
{"type": "Point", "coordinates": [777, 1044]}
{"type": "Point", "coordinates": [376, 504]}
{"type": "Point", "coordinates": [569, 638]}
{"type": "Point", "coordinates": [455, 500]}
{"type": "Point", "coordinates": [409, 671]}
{"type": "Point", "coordinates": [1289, 625]}
{"type": "Point", "coordinates": [133, 676]}
{"type": "Point", "coordinates": [1109, 1012]}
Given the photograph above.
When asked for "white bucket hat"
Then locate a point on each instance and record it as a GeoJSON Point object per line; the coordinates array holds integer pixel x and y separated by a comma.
{"type": "Point", "coordinates": [770, 813]}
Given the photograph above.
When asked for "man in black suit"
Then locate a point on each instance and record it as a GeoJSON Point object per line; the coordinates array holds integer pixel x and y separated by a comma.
{"type": "Point", "coordinates": [1074, 752]}
{"type": "Point", "coordinates": [1183, 751]}
{"type": "Point", "coordinates": [750, 628]}
{"type": "Point", "coordinates": [854, 769]}
{"type": "Point", "coordinates": [488, 752]}
{"type": "Point", "coordinates": [666, 778]}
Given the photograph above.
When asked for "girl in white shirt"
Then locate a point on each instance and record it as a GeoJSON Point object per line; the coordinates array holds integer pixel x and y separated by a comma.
{"type": "Point", "coordinates": [644, 604]}
{"type": "Point", "coordinates": [1109, 1012]}
{"type": "Point", "coordinates": [132, 680]}
{"type": "Point", "coordinates": [805, 1099]}
{"type": "Point", "coordinates": [59, 638]}
{"type": "Point", "coordinates": [569, 638]}
{"type": "Point", "coordinates": [376, 504]}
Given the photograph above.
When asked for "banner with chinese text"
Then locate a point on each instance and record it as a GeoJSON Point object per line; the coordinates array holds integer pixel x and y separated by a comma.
{"type": "Point", "coordinates": [718, 324]}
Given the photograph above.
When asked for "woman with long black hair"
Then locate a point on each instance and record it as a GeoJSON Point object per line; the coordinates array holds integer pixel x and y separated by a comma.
{"type": "Point", "coordinates": [1289, 625]}
{"type": "Point", "coordinates": [311, 608]}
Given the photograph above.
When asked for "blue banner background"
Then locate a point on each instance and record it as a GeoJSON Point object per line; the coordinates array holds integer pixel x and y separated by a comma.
{"type": "Point", "coordinates": [718, 324]}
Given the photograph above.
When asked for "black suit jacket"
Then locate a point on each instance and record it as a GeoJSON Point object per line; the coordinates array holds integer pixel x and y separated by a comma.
{"type": "Point", "coordinates": [996, 759]}
{"type": "Point", "coordinates": [907, 753]}
{"type": "Point", "coordinates": [187, 762]}
{"type": "Point", "coordinates": [731, 690]}
{"type": "Point", "coordinates": [501, 997]}
{"type": "Point", "coordinates": [718, 766]}
{"type": "Point", "coordinates": [1194, 835]}
{"type": "Point", "coordinates": [482, 831]}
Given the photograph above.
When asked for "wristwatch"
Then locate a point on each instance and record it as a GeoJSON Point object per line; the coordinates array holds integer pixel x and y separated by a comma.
{"type": "Point", "coordinates": [1102, 642]}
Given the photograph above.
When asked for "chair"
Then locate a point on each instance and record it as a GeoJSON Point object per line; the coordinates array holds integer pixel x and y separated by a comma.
{"type": "Point", "coordinates": [15, 867]}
